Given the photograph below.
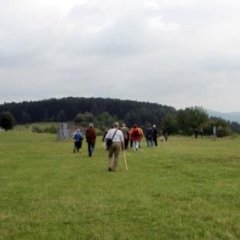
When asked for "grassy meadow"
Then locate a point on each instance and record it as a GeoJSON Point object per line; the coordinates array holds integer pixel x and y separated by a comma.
{"type": "Point", "coordinates": [185, 188]}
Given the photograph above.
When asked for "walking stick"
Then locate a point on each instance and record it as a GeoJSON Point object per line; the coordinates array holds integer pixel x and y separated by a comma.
{"type": "Point", "coordinates": [125, 160]}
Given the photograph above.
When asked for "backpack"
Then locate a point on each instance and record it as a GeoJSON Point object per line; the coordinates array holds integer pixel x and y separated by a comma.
{"type": "Point", "coordinates": [78, 137]}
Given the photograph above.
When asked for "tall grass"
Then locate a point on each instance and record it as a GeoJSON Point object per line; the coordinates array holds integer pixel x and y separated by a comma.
{"type": "Point", "coordinates": [183, 189]}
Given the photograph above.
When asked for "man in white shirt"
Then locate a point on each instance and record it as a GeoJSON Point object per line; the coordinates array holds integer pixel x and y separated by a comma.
{"type": "Point", "coordinates": [117, 144]}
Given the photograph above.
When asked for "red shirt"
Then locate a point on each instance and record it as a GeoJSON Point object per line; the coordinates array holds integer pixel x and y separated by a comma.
{"type": "Point", "coordinates": [91, 134]}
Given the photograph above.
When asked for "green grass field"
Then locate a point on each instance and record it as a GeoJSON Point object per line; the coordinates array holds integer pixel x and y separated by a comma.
{"type": "Point", "coordinates": [184, 189]}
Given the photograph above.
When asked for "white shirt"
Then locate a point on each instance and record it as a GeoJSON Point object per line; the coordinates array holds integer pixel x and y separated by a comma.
{"type": "Point", "coordinates": [118, 137]}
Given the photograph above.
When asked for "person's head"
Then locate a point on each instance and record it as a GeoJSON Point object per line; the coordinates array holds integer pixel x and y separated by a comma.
{"type": "Point", "coordinates": [154, 125]}
{"type": "Point", "coordinates": [116, 125]}
{"type": "Point", "coordinates": [123, 125]}
{"type": "Point", "coordinates": [134, 125]}
{"type": "Point", "coordinates": [91, 125]}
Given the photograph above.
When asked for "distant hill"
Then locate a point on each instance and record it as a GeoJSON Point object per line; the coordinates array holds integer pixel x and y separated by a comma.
{"type": "Point", "coordinates": [66, 109]}
{"type": "Point", "coordinates": [231, 116]}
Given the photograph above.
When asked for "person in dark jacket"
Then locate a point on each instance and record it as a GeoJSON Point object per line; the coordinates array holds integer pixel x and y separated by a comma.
{"type": "Point", "coordinates": [155, 135]}
{"type": "Point", "coordinates": [91, 138]}
{"type": "Point", "coordinates": [149, 136]}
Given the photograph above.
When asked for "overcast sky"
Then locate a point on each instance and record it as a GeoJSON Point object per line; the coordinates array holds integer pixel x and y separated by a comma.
{"type": "Point", "coordinates": [178, 53]}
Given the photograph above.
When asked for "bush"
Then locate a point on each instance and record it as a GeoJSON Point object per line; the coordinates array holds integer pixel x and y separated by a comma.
{"type": "Point", "coordinates": [223, 131]}
{"type": "Point", "coordinates": [52, 129]}
{"type": "Point", "coordinates": [36, 129]}
{"type": "Point", "coordinates": [7, 120]}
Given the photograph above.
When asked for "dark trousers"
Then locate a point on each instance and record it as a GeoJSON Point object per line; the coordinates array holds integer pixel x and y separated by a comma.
{"type": "Point", "coordinates": [77, 146]}
{"type": "Point", "coordinates": [91, 146]}
{"type": "Point", "coordinates": [126, 141]}
{"type": "Point", "coordinates": [155, 141]}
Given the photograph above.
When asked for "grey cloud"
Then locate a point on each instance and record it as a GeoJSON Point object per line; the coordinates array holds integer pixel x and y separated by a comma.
{"type": "Point", "coordinates": [173, 52]}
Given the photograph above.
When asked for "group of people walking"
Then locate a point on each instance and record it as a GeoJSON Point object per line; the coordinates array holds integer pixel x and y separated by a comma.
{"type": "Point", "coordinates": [90, 135]}
{"type": "Point", "coordinates": [116, 139]}
{"type": "Point", "coordinates": [134, 136]}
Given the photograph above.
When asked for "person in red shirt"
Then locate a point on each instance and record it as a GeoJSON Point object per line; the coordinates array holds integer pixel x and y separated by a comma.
{"type": "Point", "coordinates": [136, 134]}
{"type": "Point", "coordinates": [91, 138]}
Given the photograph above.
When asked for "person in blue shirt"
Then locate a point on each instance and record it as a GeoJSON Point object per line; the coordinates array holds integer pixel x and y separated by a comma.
{"type": "Point", "coordinates": [78, 138]}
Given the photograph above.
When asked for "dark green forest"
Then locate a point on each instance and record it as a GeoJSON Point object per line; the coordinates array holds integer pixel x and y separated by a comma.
{"type": "Point", "coordinates": [66, 109]}
{"type": "Point", "coordinates": [103, 111]}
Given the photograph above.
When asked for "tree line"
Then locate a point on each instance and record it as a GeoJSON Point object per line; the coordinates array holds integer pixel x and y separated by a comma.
{"type": "Point", "coordinates": [104, 111]}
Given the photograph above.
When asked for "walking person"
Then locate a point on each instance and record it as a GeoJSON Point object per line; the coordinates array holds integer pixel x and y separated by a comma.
{"type": "Point", "coordinates": [103, 139]}
{"type": "Point", "coordinates": [125, 131]}
{"type": "Point", "coordinates": [149, 136]}
{"type": "Point", "coordinates": [130, 137]}
{"type": "Point", "coordinates": [78, 138]}
{"type": "Point", "coordinates": [136, 136]}
{"type": "Point", "coordinates": [91, 138]}
{"type": "Point", "coordinates": [165, 133]}
{"type": "Point", "coordinates": [155, 135]}
{"type": "Point", "coordinates": [116, 135]}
